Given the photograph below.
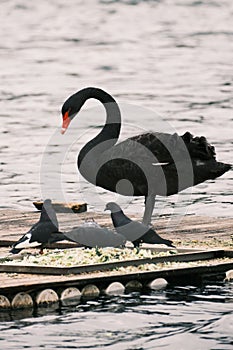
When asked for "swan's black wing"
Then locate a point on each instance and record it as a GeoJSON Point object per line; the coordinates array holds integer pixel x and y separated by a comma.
{"type": "Point", "coordinates": [168, 148]}
{"type": "Point", "coordinates": [128, 161]}
{"type": "Point", "coordinates": [182, 175]}
{"type": "Point", "coordinates": [159, 163]}
{"type": "Point", "coordinates": [152, 148]}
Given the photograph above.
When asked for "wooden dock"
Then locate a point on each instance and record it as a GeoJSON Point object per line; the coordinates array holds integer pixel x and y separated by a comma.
{"type": "Point", "coordinates": [204, 239]}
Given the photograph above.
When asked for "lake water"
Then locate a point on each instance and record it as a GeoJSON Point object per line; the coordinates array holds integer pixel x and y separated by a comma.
{"type": "Point", "coordinates": [175, 318]}
{"type": "Point", "coordinates": [173, 60]}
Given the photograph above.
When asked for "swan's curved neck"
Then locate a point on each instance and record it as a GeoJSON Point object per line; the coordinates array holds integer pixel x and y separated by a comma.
{"type": "Point", "coordinates": [107, 137]}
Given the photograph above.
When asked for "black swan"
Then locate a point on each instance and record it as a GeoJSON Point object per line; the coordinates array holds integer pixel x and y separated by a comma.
{"type": "Point", "coordinates": [134, 231]}
{"type": "Point", "coordinates": [146, 165]}
{"type": "Point", "coordinates": [41, 232]}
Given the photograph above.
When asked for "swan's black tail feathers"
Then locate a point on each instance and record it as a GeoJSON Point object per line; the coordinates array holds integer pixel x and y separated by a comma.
{"type": "Point", "coordinates": [219, 169]}
{"type": "Point", "coordinates": [208, 170]}
{"type": "Point", "coordinates": [198, 147]}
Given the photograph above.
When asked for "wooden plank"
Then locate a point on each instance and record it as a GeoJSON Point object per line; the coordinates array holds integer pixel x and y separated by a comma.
{"type": "Point", "coordinates": [191, 231]}
{"type": "Point", "coordinates": [100, 279]}
{"type": "Point", "coordinates": [49, 270]}
{"type": "Point", "coordinates": [14, 223]}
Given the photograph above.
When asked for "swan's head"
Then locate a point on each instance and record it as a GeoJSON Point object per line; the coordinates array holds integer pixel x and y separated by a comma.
{"type": "Point", "coordinates": [71, 107]}
{"type": "Point", "coordinates": [75, 102]}
{"type": "Point", "coordinates": [69, 110]}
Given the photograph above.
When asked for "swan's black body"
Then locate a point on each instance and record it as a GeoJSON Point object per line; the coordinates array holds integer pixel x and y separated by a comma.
{"type": "Point", "coordinates": [147, 165]}
{"type": "Point", "coordinates": [134, 231]}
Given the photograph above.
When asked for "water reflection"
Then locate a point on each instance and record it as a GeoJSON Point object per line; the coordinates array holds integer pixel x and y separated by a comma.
{"type": "Point", "coordinates": [144, 320]}
{"type": "Point", "coordinates": [161, 55]}
{"type": "Point", "coordinates": [173, 63]}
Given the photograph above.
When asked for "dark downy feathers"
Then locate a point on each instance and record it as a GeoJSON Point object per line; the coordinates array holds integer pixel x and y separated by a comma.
{"type": "Point", "coordinates": [92, 236]}
{"type": "Point", "coordinates": [41, 232]}
{"type": "Point", "coordinates": [134, 231]}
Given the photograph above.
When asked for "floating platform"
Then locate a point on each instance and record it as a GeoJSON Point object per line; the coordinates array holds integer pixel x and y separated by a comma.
{"type": "Point", "coordinates": [204, 244]}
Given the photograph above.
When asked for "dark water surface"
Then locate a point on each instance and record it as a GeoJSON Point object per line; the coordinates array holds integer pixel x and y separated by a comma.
{"type": "Point", "coordinates": [175, 318]}
{"type": "Point", "coordinates": [172, 58]}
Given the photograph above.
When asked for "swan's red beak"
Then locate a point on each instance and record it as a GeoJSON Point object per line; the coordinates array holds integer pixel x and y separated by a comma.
{"type": "Point", "coordinates": [65, 123]}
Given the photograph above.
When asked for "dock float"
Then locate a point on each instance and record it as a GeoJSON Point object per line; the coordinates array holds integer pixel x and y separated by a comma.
{"type": "Point", "coordinates": [23, 286]}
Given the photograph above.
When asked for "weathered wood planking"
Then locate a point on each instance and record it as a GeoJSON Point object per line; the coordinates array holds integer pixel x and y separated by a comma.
{"type": "Point", "coordinates": [30, 283]}
{"type": "Point", "coordinates": [14, 223]}
{"type": "Point", "coordinates": [50, 270]}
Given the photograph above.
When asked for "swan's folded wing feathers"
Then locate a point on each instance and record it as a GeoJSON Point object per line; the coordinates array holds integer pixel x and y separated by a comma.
{"type": "Point", "coordinates": [158, 144]}
{"type": "Point", "coordinates": [167, 147]}
{"type": "Point", "coordinates": [199, 147]}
